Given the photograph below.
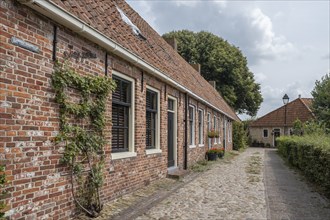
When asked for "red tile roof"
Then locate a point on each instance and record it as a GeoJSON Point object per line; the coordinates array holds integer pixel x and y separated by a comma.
{"type": "Point", "coordinates": [297, 109]}
{"type": "Point", "coordinates": [104, 16]}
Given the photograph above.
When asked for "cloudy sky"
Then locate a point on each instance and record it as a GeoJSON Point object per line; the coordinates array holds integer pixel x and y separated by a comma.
{"type": "Point", "coordinates": [286, 42]}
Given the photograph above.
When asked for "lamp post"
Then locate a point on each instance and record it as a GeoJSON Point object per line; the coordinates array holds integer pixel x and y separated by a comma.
{"type": "Point", "coordinates": [285, 102]}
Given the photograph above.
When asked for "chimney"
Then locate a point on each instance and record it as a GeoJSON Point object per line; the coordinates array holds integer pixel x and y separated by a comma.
{"type": "Point", "coordinates": [196, 66]}
{"type": "Point", "coordinates": [172, 42]}
{"type": "Point", "coordinates": [299, 96]}
{"type": "Point", "coordinates": [213, 83]}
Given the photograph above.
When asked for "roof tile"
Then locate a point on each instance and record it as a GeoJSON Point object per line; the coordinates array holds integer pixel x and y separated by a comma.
{"type": "Point", "coordinates": [103, 16]}
{"type": "Point", "coordinates": [298, 109]}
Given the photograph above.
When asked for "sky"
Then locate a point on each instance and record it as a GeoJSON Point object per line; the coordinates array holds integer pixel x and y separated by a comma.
{"type": "Point", "coordinates": [287, 43]}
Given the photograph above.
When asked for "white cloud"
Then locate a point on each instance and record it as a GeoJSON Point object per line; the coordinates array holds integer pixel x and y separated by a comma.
{"type": "Point", "coordinates": [186, 3]}
{"type": "Point", "coordinates": [260, 77]}
{"type": "Point", "coordinates": [281, 43]}
{"type": "Point", "coordinates": [242, 24]}
{"type": "Point", "coordinates": [266, 44]}
{"type": "Point", "coordinates": [326, 57]}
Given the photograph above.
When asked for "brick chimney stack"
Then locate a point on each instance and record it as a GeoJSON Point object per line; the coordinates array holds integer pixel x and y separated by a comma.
{"type": "Point", "coordinates": [172, 42]}
{"type": "Point", "coordinates": [213, 83]}
{"type": "Point", "coordinates": [196, 66]}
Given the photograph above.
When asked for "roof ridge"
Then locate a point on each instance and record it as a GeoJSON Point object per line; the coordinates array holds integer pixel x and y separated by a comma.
{"type": "Point", "coordinates": [301, 99]}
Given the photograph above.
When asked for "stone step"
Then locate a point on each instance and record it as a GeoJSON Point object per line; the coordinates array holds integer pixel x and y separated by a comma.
{"type": "Point", "coordinates": [176, 173]}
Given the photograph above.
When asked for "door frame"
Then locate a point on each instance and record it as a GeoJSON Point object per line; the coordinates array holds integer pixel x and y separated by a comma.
{"type": "Point", "coordinates": [279, 130]}
{"type": "Point", "coordinates": [175, 129]}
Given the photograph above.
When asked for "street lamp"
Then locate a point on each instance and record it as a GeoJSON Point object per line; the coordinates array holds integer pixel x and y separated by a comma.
{"type": "Point", "coordinates": [285, 101]}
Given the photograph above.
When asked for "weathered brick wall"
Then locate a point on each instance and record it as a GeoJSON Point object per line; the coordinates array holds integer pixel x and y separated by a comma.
{"type": "Point", "coordinates": [39, 185]}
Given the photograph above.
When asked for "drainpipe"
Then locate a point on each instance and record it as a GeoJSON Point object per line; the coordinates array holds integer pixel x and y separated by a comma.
{"type": "Point", "coordinates": [54, 43]}
{"type": "Point", "coordinates": [185, 165]}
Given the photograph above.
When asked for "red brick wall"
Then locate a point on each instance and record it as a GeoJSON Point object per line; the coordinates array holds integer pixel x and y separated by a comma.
{"type": "Point", "coordinates": [29, 119]}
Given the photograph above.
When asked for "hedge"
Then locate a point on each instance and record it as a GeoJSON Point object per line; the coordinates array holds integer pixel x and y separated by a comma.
{"type": "Point", "coordinates": [310, 154]}
{"type": "Point", "coordinates": [239, 136]}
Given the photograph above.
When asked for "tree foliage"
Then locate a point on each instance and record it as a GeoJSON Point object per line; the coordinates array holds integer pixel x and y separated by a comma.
{"type": "Point", "coordinates": [224, 63]}
{"type": "Point", "coordinates": [321, 100]}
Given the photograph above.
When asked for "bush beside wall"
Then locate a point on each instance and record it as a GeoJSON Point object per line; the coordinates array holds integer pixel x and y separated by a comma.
{"type": "Point", "coordinates": [239, 136]}
{"type": "Point", "coordinates": [310, 154]}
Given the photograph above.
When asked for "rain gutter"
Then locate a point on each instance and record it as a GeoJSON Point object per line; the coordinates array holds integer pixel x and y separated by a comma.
{"type": "Point", "coordinates": [56, 13]}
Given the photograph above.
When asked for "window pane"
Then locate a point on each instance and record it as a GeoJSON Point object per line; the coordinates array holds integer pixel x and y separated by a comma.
{"type": "Point", "coordinates": [191, 111]}
{"type": "Point", "coordinates": [191, 125]}
{"type": "Point", "coordinates": [265, 133]}
{"type": "Point", "coordinates": [123, 90]}
{"type": "Point", "coordinates": [121, 99]}
{"type": "Point", "coordinates": [151, 100]}
{"type": "Point", "coordinates": [151, 119]}
{"type": "Point", "coordinates": [170, 105]}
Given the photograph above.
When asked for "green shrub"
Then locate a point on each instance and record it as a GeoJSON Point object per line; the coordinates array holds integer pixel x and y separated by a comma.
{"type": "Point", "coordinates": [3, 182]}
{"type": "Point", "coordinates": [239, 136]}
{"type": "Point", "coordinates": [310, 154]}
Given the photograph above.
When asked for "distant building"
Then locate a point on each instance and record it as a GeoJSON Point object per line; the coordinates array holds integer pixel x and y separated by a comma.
{"type": "Point", "coordinates": [279, 122]}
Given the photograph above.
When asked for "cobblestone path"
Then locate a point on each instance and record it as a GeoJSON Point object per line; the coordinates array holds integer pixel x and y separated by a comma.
{"type": "Point", "coordinates": [234, 190]}
{"type": "Point", "coordinates": [255, 185]}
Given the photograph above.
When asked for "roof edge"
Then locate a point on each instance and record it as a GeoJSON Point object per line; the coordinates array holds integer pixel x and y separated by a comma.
{"type": "Point", "coordinates": [53, 11]}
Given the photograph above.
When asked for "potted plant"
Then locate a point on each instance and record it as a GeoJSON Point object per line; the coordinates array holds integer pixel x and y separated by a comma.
{"type": "Point", "coordinates": [211, 133]}
{"type": "Point", "coordinates": [221, 152]}
{"type": "Point", "coordinates": [212, 154]}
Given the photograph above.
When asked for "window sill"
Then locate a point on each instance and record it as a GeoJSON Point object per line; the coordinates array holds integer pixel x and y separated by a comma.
{"type": "Point", "coordinates": [122, 155]}
{"type": "Point", "coordinates": [153, 151]}
{"type": "Point", "coordinates": [201, 145]}
{"type": "Point", "coordinates": [192, 146]}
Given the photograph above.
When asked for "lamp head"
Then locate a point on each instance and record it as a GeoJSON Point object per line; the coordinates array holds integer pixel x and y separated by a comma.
{"type": "Point", "coordinates": [285, 99]}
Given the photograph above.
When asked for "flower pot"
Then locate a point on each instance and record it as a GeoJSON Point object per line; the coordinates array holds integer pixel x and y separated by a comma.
{"type": "Point", "coordinates": [212, 157]}
{"type": "Point", "coordinates": [220, 155]}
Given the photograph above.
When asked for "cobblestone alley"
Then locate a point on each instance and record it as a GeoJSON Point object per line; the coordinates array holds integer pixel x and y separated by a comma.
{"type": "Point", "coordinates": [254, 185]}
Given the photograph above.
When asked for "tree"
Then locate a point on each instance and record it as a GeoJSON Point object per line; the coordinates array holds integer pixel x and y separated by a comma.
{"type": "Point", "coordinates": [321, 100]}
{"type": "Point", "coordinates": [224, 63]}
{"type": "Point", "coordinates": [298, 128]}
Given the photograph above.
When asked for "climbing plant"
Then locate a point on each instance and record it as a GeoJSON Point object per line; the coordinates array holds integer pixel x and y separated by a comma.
{"type": "Point", "coordinates": [3, 182]}
{"type": "Point", "coordinates": [81, 131]}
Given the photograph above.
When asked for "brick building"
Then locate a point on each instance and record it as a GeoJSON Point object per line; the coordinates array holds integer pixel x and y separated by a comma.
{"type": "Point", "coordinates": [160, 123]}
{"type": "Point", "coordinates": [279, 122]}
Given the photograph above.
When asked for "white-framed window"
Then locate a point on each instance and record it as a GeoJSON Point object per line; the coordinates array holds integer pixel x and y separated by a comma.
{"type": "Point", "coordinates": [219, 130]}
{"type": "Point", "coordinates": [265, 133]}
{"type": "Point", "coordinates": [209, 126]}
{"type": "Point", "coordinates": [215, 127]}
{"type": "Point", "coordinates": [191, 125]}
{"type": "Point", "coordinates": [123, 132]}
{"type": "Point", "coordinates": [230, 130]}
{"type": "Point", "coordinates": [152, 120]}
{"type": "Point", "coordinates": [201, 127]}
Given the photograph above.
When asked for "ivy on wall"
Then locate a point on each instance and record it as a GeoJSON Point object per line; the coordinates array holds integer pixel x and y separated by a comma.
{"type": "Point", "coordinates": [81, 131]}
{"type": "Point", "coordinates": [3, 182]}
